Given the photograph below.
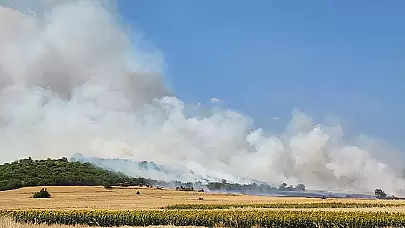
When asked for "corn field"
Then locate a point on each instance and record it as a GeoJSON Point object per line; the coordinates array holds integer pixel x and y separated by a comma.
{"type": "Point", "coordinates": [211, 218]}
{"type": "Point", "coordinates": [283, 205]}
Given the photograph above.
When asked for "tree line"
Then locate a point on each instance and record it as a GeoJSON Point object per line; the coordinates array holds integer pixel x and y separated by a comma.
{"type": "Point", "coordinates": [61, 172]}
{"type": "Point", "coordinates": [252, 188]}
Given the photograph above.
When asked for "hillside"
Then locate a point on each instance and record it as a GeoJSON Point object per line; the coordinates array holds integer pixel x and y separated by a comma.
{"type": "Point", "coordinates": [58, 172]}
{"type": "Point", "coordinates": [131, 168]}
{"type": "Point", "coordinates": [62, 172]}
{"type": "Point", "coordinates": [153, 171]}
{"type": "Point", "coordinates": [146, 169]}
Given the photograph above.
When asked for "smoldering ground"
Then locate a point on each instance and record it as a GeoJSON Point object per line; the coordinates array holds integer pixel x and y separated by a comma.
{"type": "Point", "coordinates": [74, 79]}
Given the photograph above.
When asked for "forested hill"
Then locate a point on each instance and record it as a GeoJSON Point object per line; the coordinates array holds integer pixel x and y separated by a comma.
{"type": "Point", "coordinates": [59, 172]}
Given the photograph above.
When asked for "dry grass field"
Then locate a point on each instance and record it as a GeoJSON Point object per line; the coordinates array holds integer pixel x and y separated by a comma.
{"type": "Point", "coordinates": [118, 199]}
{"type": "Point", "coordinates": [68, 198]}
{"type": "Point", "coordinates": [115, 199]}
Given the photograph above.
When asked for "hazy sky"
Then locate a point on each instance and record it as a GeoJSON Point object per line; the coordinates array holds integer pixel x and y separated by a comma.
{"type": "Point", "coordinates": [265, 58]}
{"type": "Point", "coordinates": [71, 80]}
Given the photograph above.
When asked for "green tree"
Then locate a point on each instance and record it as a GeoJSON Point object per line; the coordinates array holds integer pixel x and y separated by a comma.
{"type": "Point", "coordinates": [300, 187]}
{"type": "Point", "coordinates": [43, 193]}
{"type": "Point", "coordinates": [380, 194]}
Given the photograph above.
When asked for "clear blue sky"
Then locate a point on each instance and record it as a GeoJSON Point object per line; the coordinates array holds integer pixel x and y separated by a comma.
{"type": "Point", "coordinates": [265, 57]}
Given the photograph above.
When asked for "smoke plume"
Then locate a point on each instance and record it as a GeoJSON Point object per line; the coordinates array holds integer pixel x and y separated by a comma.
{"type": "Point", "coordinates": [74, 80]}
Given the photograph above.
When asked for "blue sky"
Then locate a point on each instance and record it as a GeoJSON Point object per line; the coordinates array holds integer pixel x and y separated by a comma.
{"type": "Point", "coordinates": [265, 58]}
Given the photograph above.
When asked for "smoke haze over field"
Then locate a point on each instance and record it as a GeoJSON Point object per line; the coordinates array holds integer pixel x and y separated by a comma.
{"type": "Point", "coordinates": [72, 80]}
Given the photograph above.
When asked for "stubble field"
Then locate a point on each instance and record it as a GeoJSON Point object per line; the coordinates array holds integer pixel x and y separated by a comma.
{"type": "Point", "coordinates": [99, 198]}
{"type": "Point", "coordinates": [98, 206]}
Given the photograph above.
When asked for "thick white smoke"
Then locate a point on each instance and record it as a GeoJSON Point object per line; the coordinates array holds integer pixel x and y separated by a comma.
{"type": "Point", "coordinates": [71, 80]}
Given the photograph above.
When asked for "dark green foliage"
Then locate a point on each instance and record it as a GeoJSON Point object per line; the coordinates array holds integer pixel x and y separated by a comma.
{"type": "Point", "coordinates": [282, 187]}
{"type": "Point", "coordinates": [300, 187]}
{"type": "Point", "coordinates": [109, 187]}
{"type": "Point", "coordinates": [253, 188]}
{"type": "Point", "coordinates": [42, 194]}
{"type": "Point", "coordinates": [187, 189]}
{"type": "Point", "coordinates": [240, 188]}
{"type": "Point", "coordinates": [125, 184]}
{"type": "Point", "coordinates": [59, 172]}
{"type": "Point", "coordinates": [380, 194]}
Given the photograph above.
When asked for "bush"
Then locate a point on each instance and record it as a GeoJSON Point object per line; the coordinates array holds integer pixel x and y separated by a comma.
{"type": "Point", "coordinates": [42, 194]}
{"type": "Point", "coordinates": [109, 187]}
{"type": "Point", "coordinates": [380, 194]}
{"type": "Point", "coordinates": [187, 189]}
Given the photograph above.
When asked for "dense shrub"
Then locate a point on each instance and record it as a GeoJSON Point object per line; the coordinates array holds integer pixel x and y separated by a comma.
{"type": "Point", "coordinates": [42, 194]}
{"type": "Point", "coordinates": [187, 189]}
{"type": "Point", "coordinates": [109, 187]}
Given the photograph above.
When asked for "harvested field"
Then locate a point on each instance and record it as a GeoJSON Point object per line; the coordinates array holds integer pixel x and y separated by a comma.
{"type": "Point", "coordinates": [69, 198]}
{"type": "Point", "coordinates": [76, 205]}
{"type": "Point", "coordinates": [115, 199]}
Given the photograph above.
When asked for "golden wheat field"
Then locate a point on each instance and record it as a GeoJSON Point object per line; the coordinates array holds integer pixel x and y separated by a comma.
{"type": "Point", "coordinates": [73, 198]}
